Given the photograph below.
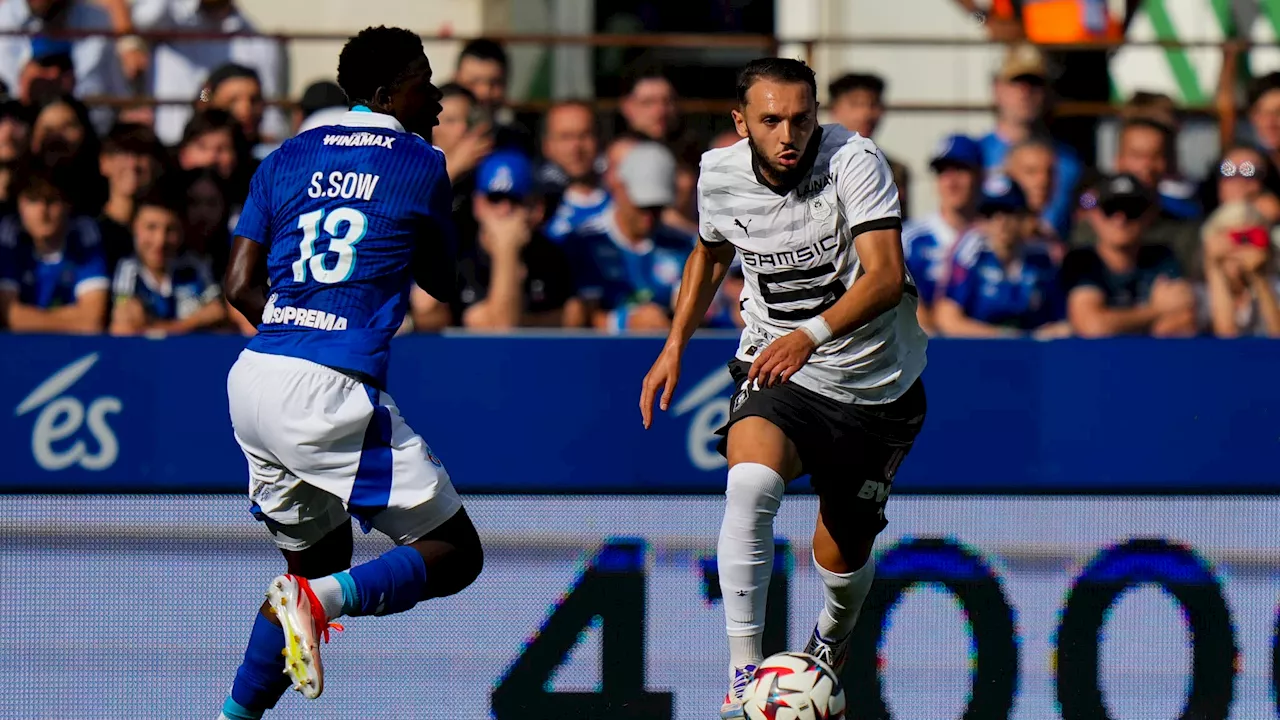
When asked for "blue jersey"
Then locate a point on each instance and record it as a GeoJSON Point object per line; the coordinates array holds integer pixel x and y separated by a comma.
{"type": "Point", "coordinates": [1067, 173]}
{"type": "Point", "coordinates": [1023, 296]}
{"type": "Point", "coordinates": [187, 287]}
{"type": "Point", "coordinates": [342, 210]}
{"type": "Point", "coordinates": [56, 279]}
{"type": "Point", "coordinates": [610, 270]}
{"type": "Point", "coordinates": [578, 213]}
{"type": "Point", "coordinates": [926, 247]}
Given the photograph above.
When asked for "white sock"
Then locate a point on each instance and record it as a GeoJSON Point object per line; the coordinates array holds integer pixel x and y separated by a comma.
{"type": "Point", "coordinates": [329, 591]}
{"type": "Point", "coordinates": [745, 557]}
{"type": "Point", "coordinates": [844, 593]}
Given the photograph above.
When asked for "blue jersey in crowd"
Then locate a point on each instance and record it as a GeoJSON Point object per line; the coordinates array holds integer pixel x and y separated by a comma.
{"type": "Point", "coordinates": [926, 246]}
{"type": "Point", "coordinates": [578, 213]}
{"type": "Point", "coordinates": [1023, 296]}
{"type": "Point", "coordinates": [56, 279]}
{"type": "Point", "coordinates": [1067, 173]}
{"type": "Point", "coordinates": [188, 287]}
{"type": "Point", "coordinates": [610, 270]}
{"type": "Point", "coordinates": [342, 209]}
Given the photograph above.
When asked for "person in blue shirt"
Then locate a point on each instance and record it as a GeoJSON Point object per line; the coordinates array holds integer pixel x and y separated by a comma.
{"type": "Point", "coordinates": [927, 242]}
{"type": "Point", "coordinates": [53, 272]}
{"type": "Point", "coordinates": [160, 288]}
{"type": "Point", "coordinates": [628, 273]}
{"type": "Point", "coordinates": [338, 223]}
{"type": "Point", "coordinates": [1001, 285]}
{"type": "Point", "coordinates": [571, 171]}
{"type": "Point", "coordinates": [1021, 99]}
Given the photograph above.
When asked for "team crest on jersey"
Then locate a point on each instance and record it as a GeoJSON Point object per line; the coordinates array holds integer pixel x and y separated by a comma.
{"type": "Point", "coordinates": [819, 208]}
{"type": "Point", "coordinates": [740, 398]}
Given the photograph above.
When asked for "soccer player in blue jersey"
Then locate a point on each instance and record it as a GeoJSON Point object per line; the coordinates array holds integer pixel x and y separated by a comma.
{"type": "Point", "coordinates": [338, 222]}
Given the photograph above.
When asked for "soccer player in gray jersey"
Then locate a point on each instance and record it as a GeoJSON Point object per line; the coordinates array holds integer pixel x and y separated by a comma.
{"type": "Point", "coordinates": [828, 369]}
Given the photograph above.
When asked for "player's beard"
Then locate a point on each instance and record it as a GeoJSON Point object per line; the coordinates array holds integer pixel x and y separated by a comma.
{"type": "Point", "coordinates": [781, 175]}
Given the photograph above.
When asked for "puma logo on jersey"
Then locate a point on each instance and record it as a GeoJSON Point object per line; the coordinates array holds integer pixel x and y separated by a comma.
{"type": "Point", "coordinates": [738, 222]}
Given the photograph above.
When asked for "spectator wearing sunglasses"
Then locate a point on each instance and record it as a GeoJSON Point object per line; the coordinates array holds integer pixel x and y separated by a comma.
{"type": "Point", "coordinates": [1241, 292]}
{"type": "Point", "coordinates": [1001, 283]}
{"type": "Point", "coordinates": [1121, 285]}
{"type": "Point", "coordinates": [1242, 174]}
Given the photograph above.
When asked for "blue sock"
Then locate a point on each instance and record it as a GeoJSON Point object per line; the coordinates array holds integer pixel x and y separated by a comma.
{"type": "Point", "coordinates": [389, 584]}
{"type": "Point", "coordinates": [260, 681]}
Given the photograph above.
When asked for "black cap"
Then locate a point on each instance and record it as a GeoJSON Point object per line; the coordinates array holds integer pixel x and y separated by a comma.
{"type": "Point", "coordinates": [1122, 193]}
{"type": "Point", "coordinates": [1001, 195]}
{"type": "Point", "coordinates": [321, 95]}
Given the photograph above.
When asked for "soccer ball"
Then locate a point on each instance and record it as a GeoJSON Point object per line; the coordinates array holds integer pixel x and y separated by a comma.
{"type": "Point", "coordinates": [794, 686]}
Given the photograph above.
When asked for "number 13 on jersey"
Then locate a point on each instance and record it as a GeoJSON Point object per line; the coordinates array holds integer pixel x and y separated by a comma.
{"type": "Point", "coordinates": [351, 223]}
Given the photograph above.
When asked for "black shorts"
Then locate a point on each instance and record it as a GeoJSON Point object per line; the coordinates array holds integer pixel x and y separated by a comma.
{"type": "Point", "coordinates": [850, 452]}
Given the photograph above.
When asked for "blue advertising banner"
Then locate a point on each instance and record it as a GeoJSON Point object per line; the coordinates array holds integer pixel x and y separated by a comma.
{"type": "Point", "coordinates": [542, 414]}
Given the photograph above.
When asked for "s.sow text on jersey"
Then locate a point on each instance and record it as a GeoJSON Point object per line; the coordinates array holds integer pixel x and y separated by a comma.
{"type": "Point", "coordinates": [343, 185]}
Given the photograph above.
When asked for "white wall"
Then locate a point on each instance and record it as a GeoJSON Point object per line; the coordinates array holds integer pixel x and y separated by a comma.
{"type": "Point", "coordinates": [317, 60]}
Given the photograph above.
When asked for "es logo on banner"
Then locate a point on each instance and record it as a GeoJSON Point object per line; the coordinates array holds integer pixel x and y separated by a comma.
{"type": "Point", "coordinates": [710, 407]}
{"type": "Point", "coordinates": [62, 416]}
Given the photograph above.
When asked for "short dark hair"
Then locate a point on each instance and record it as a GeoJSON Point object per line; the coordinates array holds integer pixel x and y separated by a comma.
{"type": "Point", "coordinates": [633, 79]}
{"type": "Point", "coordinates": [453, 89]}
{"type": "Point", "coordinates": [1142, 122]}
{"type": "Point", "coordinates": [132, 139]}
{"type": "Point", "coordinates": [210, 121]}
{"type": "Point", "coordinates": [36, 177]}
{"type": "Point", "coordinates": [485, 49]}
{"type": "Point", "coordinates": [1261, 86]}
{"type": "Point", "coordinates": [378, 57]}
{"type": "Point", "coordinates": [850, 82]}
{"type": "Point", "coordinates": [778, 69]}
{"type": "Point", "coordinates": [164, 195]}
{"type": "Point", "coordinates": [230, 71]}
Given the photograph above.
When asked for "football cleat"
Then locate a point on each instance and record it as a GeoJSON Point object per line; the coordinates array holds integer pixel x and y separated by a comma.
{"type": "Point", "coordinates": [732, 707]}
{"type": "Point", "coordinates": [304, 623]}
{"type": "Point", "coordinates": [831, 652]}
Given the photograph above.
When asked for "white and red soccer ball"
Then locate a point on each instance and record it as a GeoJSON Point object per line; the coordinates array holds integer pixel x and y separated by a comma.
{"type": "Point", "coordinates": [794, 686]}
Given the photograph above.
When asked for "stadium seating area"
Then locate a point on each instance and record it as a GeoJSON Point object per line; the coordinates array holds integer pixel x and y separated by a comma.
{"type": "Point", "coordinates": [117, 218]}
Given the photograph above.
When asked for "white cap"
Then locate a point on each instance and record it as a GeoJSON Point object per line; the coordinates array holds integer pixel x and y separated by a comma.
{"type": "Point", "coordinates": [648, 173]}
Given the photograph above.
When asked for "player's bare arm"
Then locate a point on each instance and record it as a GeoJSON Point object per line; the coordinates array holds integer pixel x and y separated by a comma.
{"type": "Point", "coordinates": [877, 290]}
{"type": "Point", "coordinates": [246, 279]}
{"type": "Point", "coordinates": [88, 314]}
{"type": "Point", "coordinates": [703, 272]}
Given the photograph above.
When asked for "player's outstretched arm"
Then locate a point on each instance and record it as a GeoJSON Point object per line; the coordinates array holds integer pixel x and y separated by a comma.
{"type": "Point", "coordinates": [246, 280]}
{"type": "Point", "coordinates": [703, 272]}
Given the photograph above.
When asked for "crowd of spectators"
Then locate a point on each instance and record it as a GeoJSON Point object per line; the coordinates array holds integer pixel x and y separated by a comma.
{"type": "Point", "coordinates": [118, 219]}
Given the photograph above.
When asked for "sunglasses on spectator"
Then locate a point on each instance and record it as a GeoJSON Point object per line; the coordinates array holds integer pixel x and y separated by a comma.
{"type": "Point", "coordinates": [1245, 170]}
{"type": "Point", "coordinates": [1131, 210]}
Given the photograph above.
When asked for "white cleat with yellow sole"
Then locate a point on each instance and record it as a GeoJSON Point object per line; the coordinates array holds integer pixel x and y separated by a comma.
{"type": "Point", "coordinates": [304, 623]}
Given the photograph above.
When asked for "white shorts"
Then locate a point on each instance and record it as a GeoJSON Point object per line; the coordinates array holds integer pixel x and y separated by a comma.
{"type": "Point", "coordinates": [323, 446]}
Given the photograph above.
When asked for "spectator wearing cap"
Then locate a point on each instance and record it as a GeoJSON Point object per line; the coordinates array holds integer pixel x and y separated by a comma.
{"type": "Point", "coordinates": [857, 103]}
{"type": "Point", "coordinates": [1021, 101]}
{"type": "Point", "coordinates": [1241, 295]}
{"type": "Point", "coordinates": [1000, 284]}
{"type": "Point", "coordinates": [509, 274]}
{"type": "Point", "coordinates": [181, 67]}
{"type": "Point", "coordinates": [53, 275]}
{"type": "Point", "coordinates": [323, 103]}
{"type": "Point", "coordinates": [927, 242]}
{"type": "Point", "coordinates": [161, 289]}
{"type": "Point", "coordinates": [1143, 154]}
{"type": "Point", "coordinates": [15, 142]}
{"type": "Point", "coordinates": [571, 148]}
{"type": "Point", "coordinates": [483, 70]}
{"type": "Point", "coordinates": [237, 90]}
{"type": "Point", "coordinates": [131, 160]}
{"type": "Point", "coordinates": [628, 272]}
{"type": "Point", "coordinates": [92, 60]}
{"type": "Point", "coordinates": [1121, 285]}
